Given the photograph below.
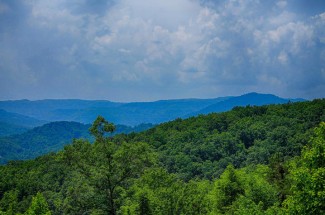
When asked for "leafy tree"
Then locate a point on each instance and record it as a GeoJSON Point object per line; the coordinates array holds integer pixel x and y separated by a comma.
{"type": "Point", "coordinates": [9, 202]}
{"type": "Point", "coordinates": [144, 206]}
{"type": "Point", "coordinates": [245, 206]}
{"type": "Point", "coordinates": [308, 178]}
{"type": "Point", "coordinates": [227, 189]}
{"type": "Point", "coordinates": [38, 206]}
{"type": "Point", "coordinates": [194, 198]}
{"type": "Point", "coordinates": [161, 190]}
{"type": "Point", "coordinates": [257, 187]}
{"type": "Point", "coordinates": [107, 168]}
{"type": "Point", "coordinates": [100, 127]}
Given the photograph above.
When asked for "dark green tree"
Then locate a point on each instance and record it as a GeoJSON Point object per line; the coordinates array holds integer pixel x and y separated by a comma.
{"type": "Point", "coordinates": [9, 202]}
{"type": "Point", "coordinates": [100, 127]}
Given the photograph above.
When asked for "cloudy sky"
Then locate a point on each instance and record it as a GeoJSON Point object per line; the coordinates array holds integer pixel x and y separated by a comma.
{"type": "Point", "coordinates": [143, 50]}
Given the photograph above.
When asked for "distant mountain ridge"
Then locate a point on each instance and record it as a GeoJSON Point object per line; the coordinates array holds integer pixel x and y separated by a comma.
{"type": "Point", "coordinates": [130, 114]}
{"type": "Point", "coordinates": [46, 109]}
{"type": "Point", "coordinates": [133, 113]}
{"type": "Point", "coordinates": [253, 99]}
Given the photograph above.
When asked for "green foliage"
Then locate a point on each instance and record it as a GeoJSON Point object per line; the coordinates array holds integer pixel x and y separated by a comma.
{"type": "Point", "coordinates": [245, 206]}
{"type": "Point", "coordinates": [227, 189]}
{"type": "Point", "coordinates": [103, 170]}
{"type": "Point", "coordinates": [160, 190]}
{"type": "Point", "coordinates": [308, 177]}
{"type": "Point", "coordinates": [9, 202]}
{"type": "Point", "coordinates": [244, 191]}
{"type": "Point", "coordinates": [194, 197]}
{"type": "Point", "coordinates": [165, 194]}
{"type": "Point", "coordinates": [38, 206]}
{"type": "Point", "coordinates": [203, 146]}
{"type": "Point", "coordinates": [246, 161]}
{"type": "Point", "coordinates": [100, 127]}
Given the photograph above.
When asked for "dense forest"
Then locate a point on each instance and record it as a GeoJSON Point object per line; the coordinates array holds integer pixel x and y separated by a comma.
{"type": "Point", "coordinates": [250, 160]}
{"type": "Point", "coordinates": [51, 137]}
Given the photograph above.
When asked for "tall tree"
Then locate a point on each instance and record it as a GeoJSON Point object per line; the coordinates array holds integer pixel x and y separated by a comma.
{"type": "Point", "coordinates": [109, 166]}
{"type": "Point", "coordinates": [309, 177]}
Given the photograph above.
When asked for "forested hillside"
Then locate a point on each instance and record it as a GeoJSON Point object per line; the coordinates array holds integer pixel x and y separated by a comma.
{"type": "Point", "coordinates": [251, 160]}
{"type": "Point", "coordinates": [19, 120]}
{"type": "Point", "coordinates": [40, 140]}
{"type": "Point", "coordinates": [7, 129]}
{"type": "Point", "coordinates": [203, 146]}
{"type": "Point", "coordinates": [50, 137]}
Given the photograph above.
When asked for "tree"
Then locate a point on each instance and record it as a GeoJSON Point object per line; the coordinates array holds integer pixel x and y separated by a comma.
{"type": "Point", "coordinates": [100, 127]}
{"type": "Point", "coordinates": [38, 206]}
{"type": "Point", "coordinates": [308, 177]}
{"type": "Point", "coordinates": [108, 167]}
{"type": "Point", "coordinates": [156, 191]}
{"type": "Point", "coordinates": [144, 206]}
{"type": "Point", "coordinates": [115, 166]}
{"type": "Point", "coordinates": [194, 198]}
{"type": "Point", "coordinates": [228, 188]}
{"type": "Point", "coordinates": [9, 202]}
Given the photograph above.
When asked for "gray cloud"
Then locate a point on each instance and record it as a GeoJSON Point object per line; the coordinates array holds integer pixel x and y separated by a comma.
{"type": "Point", "coordinates": [144, 50]}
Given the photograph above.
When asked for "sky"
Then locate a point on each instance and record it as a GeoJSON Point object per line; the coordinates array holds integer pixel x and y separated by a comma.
{"type": "Point", "coordinates": [145, 50]}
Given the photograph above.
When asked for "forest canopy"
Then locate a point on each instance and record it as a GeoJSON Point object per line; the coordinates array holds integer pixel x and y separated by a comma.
{"type": "Point", "coordinates": [250, 160]}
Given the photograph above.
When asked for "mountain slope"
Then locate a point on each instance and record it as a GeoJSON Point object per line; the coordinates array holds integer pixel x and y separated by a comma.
{"type": "Point", "coordinates": [7, 129]}
{"type": "Point", "coordinates": [19, 119]}
{"type": "Point", "coordinates": [203, 146]}
{"type": "Point", "coordinates": [40, 140]}
{"type": "Point", "coordinates": [50, 137]}
{"type": "Point", "coordinates": [253, 99]}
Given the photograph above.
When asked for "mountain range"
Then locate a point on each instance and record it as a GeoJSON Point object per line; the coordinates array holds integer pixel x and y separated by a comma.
{"type": "Point", "coordinates": [134, 113]}
{"type": "Point", "coordinates": [32, 128]}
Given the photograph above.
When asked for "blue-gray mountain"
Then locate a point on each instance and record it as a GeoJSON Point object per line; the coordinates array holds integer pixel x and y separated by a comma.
{"type": "Point", "coordinates": [19, 119]}
{"type": "Point", "coordinates": [133, 113]}
{"type": "Point", "coordinates": [253, 99]}
{"type": "Point", "coordinates": [14, 123]}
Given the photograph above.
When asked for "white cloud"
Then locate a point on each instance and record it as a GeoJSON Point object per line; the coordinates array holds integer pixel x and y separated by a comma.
{"type": "Point", "coordinates": [125, 51]}
{"type": "Point", "coordinates": [294, 36]}
{"type": "Point", "coordinates": [281, 4]}
{"type": "Point", "coordinates": [283, 57]}
{"type": "Point", "coordinates": [319, 22]}
{"type": "Point", "coordinates": [282, 19]}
